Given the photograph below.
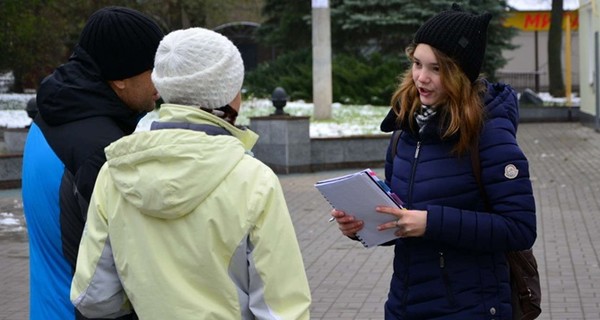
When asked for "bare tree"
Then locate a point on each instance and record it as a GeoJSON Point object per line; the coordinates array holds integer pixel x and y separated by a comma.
{"type": "Point", "coordinates": [556, 84]}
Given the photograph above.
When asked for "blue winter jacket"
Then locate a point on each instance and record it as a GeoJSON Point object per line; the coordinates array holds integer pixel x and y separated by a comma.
{"type": "Point", "coordinates": [79, 115]}
{"type": "Point", "coordinates": [458, 270]}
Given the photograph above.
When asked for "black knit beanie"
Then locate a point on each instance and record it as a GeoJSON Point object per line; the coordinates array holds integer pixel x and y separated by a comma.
{"type": "Point", "coordinates": [458, 34]}
{"type": "Point", "coordinates": [121, 41]}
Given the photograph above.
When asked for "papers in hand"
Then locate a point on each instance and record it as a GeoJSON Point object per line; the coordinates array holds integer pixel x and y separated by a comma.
{"type": "Point", "coordinates": [358, 194]}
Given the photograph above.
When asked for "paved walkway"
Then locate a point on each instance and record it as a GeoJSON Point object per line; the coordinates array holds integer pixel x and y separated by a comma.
{"type": "Point", "coordinates": [350, 282]}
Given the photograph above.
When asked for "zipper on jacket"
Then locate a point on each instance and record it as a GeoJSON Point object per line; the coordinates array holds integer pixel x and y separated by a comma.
{"type": "Point", "coordinates": [412, 173]}
{"type": "Point", "coordinates": [446, 278]}
{"type": "Point", "coordinates": [418, 149]}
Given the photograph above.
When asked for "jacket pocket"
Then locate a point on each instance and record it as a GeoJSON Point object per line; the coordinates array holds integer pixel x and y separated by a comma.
{"type": "Point", "coordinates": [446, 279]}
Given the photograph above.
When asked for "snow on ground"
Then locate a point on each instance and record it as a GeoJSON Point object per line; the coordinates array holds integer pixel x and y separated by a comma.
{"type": "Point", "coordinates": [347, 120]}
{"type": "Point", "coordinates": [12, 110]}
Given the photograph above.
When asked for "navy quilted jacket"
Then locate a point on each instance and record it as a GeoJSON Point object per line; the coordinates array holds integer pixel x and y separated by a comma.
{"type": "Point", "coordinates": [457, 270]}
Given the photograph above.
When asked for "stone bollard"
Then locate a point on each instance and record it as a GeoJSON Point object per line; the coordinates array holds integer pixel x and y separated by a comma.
{"type": "Point", "coordinates": [284, 143]}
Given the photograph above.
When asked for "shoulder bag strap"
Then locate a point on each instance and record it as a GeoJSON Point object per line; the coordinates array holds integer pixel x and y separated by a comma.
{"type": "Point", "coordinates": [395, 139]}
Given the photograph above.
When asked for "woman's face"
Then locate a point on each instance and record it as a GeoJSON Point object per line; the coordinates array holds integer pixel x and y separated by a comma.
{"type": "Point", "coordinates": [426, 75]}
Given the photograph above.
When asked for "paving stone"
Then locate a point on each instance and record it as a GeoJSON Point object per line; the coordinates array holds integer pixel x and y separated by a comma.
{"type": "Point", "coordinates": [350, 282]}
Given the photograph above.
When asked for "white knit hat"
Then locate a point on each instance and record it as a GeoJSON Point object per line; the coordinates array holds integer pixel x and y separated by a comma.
{"type": "Point", "coordinates": [198, 67]}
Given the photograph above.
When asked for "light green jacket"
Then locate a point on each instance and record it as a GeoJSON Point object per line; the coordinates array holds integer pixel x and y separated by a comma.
{"type": "Point", "coordinates": [184, 225]}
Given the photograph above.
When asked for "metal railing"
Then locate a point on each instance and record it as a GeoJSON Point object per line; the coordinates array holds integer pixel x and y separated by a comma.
{"type": "Point", "coordinates": [521, 80]}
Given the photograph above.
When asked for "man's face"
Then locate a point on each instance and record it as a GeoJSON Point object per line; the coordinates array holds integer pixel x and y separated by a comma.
{"type": "Point", "coordinates": [137, 92]}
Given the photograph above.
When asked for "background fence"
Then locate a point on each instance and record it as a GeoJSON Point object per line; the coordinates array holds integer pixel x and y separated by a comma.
{"type": "Point", "coordinates": [522, 80]}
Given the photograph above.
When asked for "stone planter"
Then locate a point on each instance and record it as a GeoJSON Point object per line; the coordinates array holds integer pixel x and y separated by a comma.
{"type": "Point", "coordinates": [548, 114]}
{"type": "Point", "coordinates": [14, 140]}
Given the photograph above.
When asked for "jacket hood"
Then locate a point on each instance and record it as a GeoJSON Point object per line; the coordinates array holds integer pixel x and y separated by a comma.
{"type": "Point", "coordinates": [501, 102]}
{"type": "Point", "coordinates": [167, 173]}
{"type": "Point", "coordinates": [76, 91]}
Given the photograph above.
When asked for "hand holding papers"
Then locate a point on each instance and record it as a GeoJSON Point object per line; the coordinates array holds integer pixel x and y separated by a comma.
{"type": "Point", "coordinates": [358, 194]}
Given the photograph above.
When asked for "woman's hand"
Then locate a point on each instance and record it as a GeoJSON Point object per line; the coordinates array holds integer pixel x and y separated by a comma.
{"type": "Point", "coordinates": [410, 223]}
{"type": "Point", "coordinates": [346, 223]}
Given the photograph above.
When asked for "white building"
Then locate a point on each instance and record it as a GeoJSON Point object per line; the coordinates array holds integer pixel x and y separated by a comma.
{"type": "Point", "coordinates": [527, 65]}
{"type": "Point", "coordinates": [589, 29]}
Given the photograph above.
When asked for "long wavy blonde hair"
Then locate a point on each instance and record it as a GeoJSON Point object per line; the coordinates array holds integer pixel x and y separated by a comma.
{"type": "Point", "coordinates": [462, 109]}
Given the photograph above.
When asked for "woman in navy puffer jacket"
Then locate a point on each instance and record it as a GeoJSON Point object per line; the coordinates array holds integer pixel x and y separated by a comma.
{"type": "Point", "coordinates": [450, 255]}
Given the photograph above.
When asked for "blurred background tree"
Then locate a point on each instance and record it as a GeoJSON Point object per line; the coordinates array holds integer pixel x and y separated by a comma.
{"type": "Point", "coordinates": [555, 75]}
{"type": "Point", "coordinates": [38, 35]}
{"type": "Point", "coordinates": [286, 26]}
{"type": "Point", "coordinates": [368, 38]}
{"type": "Point", "coordinates": [31, 40]}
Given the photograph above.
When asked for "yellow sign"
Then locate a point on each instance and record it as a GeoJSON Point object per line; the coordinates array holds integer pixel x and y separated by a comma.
{"type": "Point", "coordinates": [538, 20]}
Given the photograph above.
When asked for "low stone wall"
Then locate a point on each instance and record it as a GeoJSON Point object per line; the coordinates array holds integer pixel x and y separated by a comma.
{"type": "Point", "coordinates": [10, 171]}
{"type": "Point", "coordinates": [14, 139]}
{"type": "Point", "coordinates": [11, 157]}
{"type": "Point", "coordinates": [286, 147]}
{"type": "Point", "coordinates": [348, 152]}
{"type": "Point", "coordinates": [324, 154]}
{"type": "Point", "coordinates": [548, 114]}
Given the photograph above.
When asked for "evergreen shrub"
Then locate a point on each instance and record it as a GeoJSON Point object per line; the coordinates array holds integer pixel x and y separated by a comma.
{"type": "Point", "coordinates": [355, 79]}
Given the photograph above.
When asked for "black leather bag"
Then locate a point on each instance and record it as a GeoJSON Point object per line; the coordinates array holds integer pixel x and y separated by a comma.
{"type": "Point", "coordinates": [525, 285]}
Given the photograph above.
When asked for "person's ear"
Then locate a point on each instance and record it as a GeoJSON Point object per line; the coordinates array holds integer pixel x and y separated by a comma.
{"type": "Point", "coordinates": [117, 84]}
{"type": "Point", "coordinates": [237, 102]}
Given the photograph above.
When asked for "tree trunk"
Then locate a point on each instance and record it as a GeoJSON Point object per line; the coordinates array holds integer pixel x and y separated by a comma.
{"type": "Point", "coordinates": [556, 84]}
{"type": "Point", "coordinates": [17, 86]}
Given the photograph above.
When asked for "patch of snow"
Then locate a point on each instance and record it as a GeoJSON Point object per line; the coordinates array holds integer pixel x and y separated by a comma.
{"type": "Point", "coordinates": [8, 219]}
{"type": "Point", "coordinates": [14, 119]}
{"type": "Point", "coordinates": [370, 116]}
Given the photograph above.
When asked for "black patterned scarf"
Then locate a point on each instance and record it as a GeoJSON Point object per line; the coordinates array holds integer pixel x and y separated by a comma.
{"type": "Point", "coordinates": [424, 116]}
